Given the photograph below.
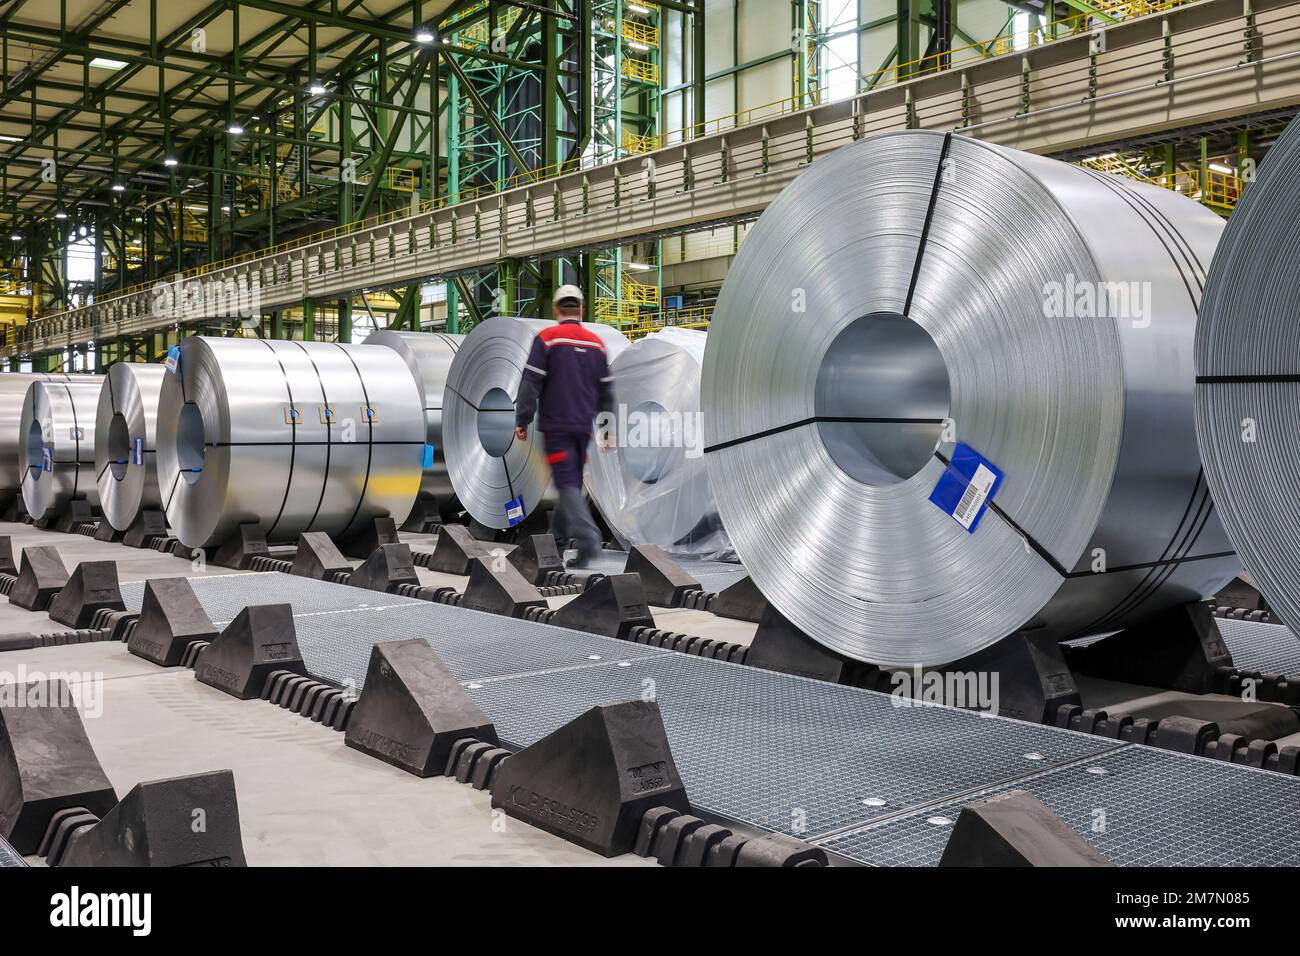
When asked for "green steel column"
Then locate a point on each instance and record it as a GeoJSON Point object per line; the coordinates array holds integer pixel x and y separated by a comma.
{"type": "Point", "coordinates": [507, 276]}
{"type": "Point", "coordinates": [1205, 169]}
{"type": "Point", "coordinates": [697, 67]}
{"type": "Point", "coordinates": [345, 320]}
{"type": "Point", "coordinates": [219, 162]}
{"type": "Point", "coordinates": [909, 34]}
{"type": "Point", "coordinates": [277, 324]}
{"type": "Point", "coordinates": [308, 320]}
{"type": "Point", "coordinates": [346, 167]}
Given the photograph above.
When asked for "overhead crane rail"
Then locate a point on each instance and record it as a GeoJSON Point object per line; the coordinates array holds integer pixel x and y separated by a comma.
{"type": "Point", "coordinates": [1192, 64]}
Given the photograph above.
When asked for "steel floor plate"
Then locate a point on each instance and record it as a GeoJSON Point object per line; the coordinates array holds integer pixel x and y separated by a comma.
{"type": "Point", "coordinates": [712, 575]}
{"type": "Point", "coordinates": [787, 753]}
{"type": "Point", "coordinates": [1255, 646]}
{"type": "Point", "coordinates": [474, 645]}
{"type": "Point", "coordinates": [337, 626]}
{"type": "Point", "coordinates": [1149, 808]}
{"type": "Point", "coordinates": [223, 596]}
{"type": "Point", "coordinates": [853, 769]}
{"type": "Point", "coordinates": [9, 856]}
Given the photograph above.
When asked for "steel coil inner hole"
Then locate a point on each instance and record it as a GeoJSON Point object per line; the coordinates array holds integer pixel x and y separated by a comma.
{"type": "Point", "coordinates": [190, 442]}
{"type": "Point", "coordinates": [884, 371]}
{"type": "Point", "coordinates": [35, 448]}
{"type": "Point", "coordinates": [119, 446]}
{"type": "Point", "coordinates": [496, 422]}
{"type": "Point", "coordinates": [652, 435]}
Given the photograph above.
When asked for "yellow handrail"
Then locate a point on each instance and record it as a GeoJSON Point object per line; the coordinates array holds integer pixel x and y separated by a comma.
{"type": "Point", "coordinates": [641, 70]}
{"type": "Point", "coordinates": [646, 35]}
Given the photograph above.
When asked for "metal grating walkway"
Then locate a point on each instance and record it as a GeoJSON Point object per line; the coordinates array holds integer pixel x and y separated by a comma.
{"type": "Point", "coordinates": [9, 856]}
{"type": "Point", "coordinates": [854, 770]}
{"type": "Point", "coordinates": [337, 625]}
{"type": "Point", "coordinates": [1138, 806]}
{"type": "Point", "coordinates": [1255, 646]}
{"type": "Point", "coordinates": [712, 575]}
{"type": "Point", "coordinates": [788, 753]}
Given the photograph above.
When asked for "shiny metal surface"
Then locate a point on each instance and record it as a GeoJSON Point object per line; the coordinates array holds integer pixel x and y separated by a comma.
{"type": "Point", "coordinates": [57, 440]}
{"type": "Point", "coordinates": [126, 472]}
{"type": "Point", "coordinates": [855, 294]}
{"type": "Point", "coordinates": [487, 464]}
{"type": "Point", "coordinates": [653, 487]}
{"type": "Point", "coordinates": [278, 432]}
{"type": "Point", "coordinates": [1248, 378]}
{"type": "Point", "coordinates": [13, 389]}
{"type": "Point", "coordinates": [428, 355]}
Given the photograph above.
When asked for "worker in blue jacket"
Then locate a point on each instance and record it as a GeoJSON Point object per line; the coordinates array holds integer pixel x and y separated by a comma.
{"type": "Point", "coordinates": [565, 384]}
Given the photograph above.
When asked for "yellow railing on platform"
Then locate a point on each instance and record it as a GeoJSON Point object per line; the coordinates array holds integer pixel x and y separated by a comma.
{"type": "Point", "coordinates": [639, 143]}
{"type": "Point", "coordinates": [696, 318]}
{"type": "Point", "coordinates": [478, 33]}
{"type": "Point", "coordinates": [1220, 189]}
{"type": "Point", "coordinates": [642, 33]}
{"type": "Point", "coordinates": [641, 70]}
{"type": "Point", "coordinates": [639, 292]}
{"type": "Point", "coordinates": [398, 179]}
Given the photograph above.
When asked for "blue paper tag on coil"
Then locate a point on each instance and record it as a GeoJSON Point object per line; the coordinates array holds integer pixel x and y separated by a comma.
{"type": "Point", "coordinates": [966, 486]}
{"type": "Point", "coordinates": [515, 510]}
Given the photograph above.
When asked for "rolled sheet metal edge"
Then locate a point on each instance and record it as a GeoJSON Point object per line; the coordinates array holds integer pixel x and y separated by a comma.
{"type": "Point", "coordinates": [491, 362]}
{"type": "Point", "coordinates": [962, 239]}
{"type": "Point", "coordinates": [297, 436]}
{"type": "Point", "coordinates": [126, 471]}
{"type": "Point", "coordinates": [1248, 377]}
{"type": "Point", "coordinates": [64, 413]}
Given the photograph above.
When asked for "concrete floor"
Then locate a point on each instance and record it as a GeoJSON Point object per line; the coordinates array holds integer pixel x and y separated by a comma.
{"type": "Point", "coordinates": [305, 798]}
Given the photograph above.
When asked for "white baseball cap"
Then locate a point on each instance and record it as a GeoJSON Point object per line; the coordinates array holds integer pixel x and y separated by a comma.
{"type": "Point", "coordinates": [567, 292]}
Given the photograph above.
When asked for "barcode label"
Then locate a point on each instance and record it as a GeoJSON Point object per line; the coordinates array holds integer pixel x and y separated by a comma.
{"type": "Point", "coordinates": [515, 510]}
{"type": "Point", "coordinates": [977, 492]}
{"type": "Point", "coordinates": [966, 486]}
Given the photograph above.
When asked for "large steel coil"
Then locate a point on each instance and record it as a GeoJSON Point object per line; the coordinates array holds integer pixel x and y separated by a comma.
{"type": "Point", "coordinates": [915, 291]}
{"type": "Point", "coordinates": [1248, 378]}
{"type": "Point", "coordinates": [57, 436]}
{"type": "Point", "coordinates": [297, 436]}
{"type": "Point", "coordinates": [489, 466]}
{"type": "Point", "coordinates": [126, 442]}
{"type": "Point", "coordinates": [653, 486]}
{"type": "Point", "coordinates": [13, 454]}
{"type": "Point", "coordinates": [428, 355]}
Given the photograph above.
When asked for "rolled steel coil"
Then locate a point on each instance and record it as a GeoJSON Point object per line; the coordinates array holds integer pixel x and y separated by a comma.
{"type": "Point", "coordinates": [126, 470]}
{"type": "Point", "coordinates": [428, 355]}
{"type": "Point", "coordinates": [653, 486]}
{"type": "Point", "coordinates": [57, 436]}
{"type": "Point", "coordinates": [914, 291]}
{"type": "Point", "coordinates": [13, 390]}
{"type": "Point", "coordinates": [1248, 378]}
{"type": "Point", "coordinates": [296, 436]}
{"type": "Point", "coordinates": [489, 466]}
